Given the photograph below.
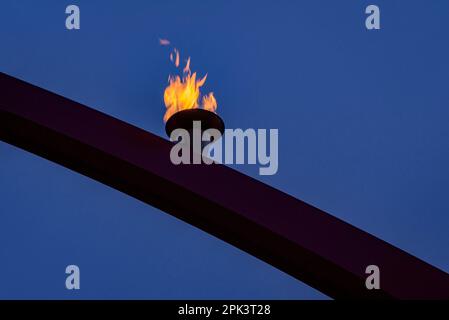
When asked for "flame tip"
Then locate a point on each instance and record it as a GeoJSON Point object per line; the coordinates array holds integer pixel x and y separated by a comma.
{"type": "Point", "coordinates": [164, 42]}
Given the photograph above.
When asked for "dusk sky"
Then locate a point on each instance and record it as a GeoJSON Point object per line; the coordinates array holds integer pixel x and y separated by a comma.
{"type": "Point", "coordinates": [363, 134]}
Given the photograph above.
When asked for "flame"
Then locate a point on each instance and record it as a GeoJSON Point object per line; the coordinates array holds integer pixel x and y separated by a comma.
{"type": "Point", "coordinates": [164, 42]}
{"type": "Point", "coordinates": [209, 102]}
{"type": "Point", "coordinates": [174, 57]}
{"type": "Point", "coordinates": [183, 92]}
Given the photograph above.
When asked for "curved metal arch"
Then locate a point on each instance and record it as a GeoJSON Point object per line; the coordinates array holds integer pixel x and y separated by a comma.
{"type": "Point", "coordinates": [299, 239]}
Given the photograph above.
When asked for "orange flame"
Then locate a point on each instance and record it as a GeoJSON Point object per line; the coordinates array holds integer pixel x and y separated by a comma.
{"type": "Point", "coordinates": [184, 92]}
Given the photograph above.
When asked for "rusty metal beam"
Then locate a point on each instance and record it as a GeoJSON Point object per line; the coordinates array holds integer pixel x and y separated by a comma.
{"type": "Point", "coordinates": [299, 239]}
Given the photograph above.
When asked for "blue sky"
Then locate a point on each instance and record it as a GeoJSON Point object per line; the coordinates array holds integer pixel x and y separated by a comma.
{"type": "Point", "coordinates": [362, 118]}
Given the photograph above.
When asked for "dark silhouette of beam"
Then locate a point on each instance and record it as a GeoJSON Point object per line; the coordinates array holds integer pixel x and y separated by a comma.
{"type": "Point", "coordinates": [303, 241]}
